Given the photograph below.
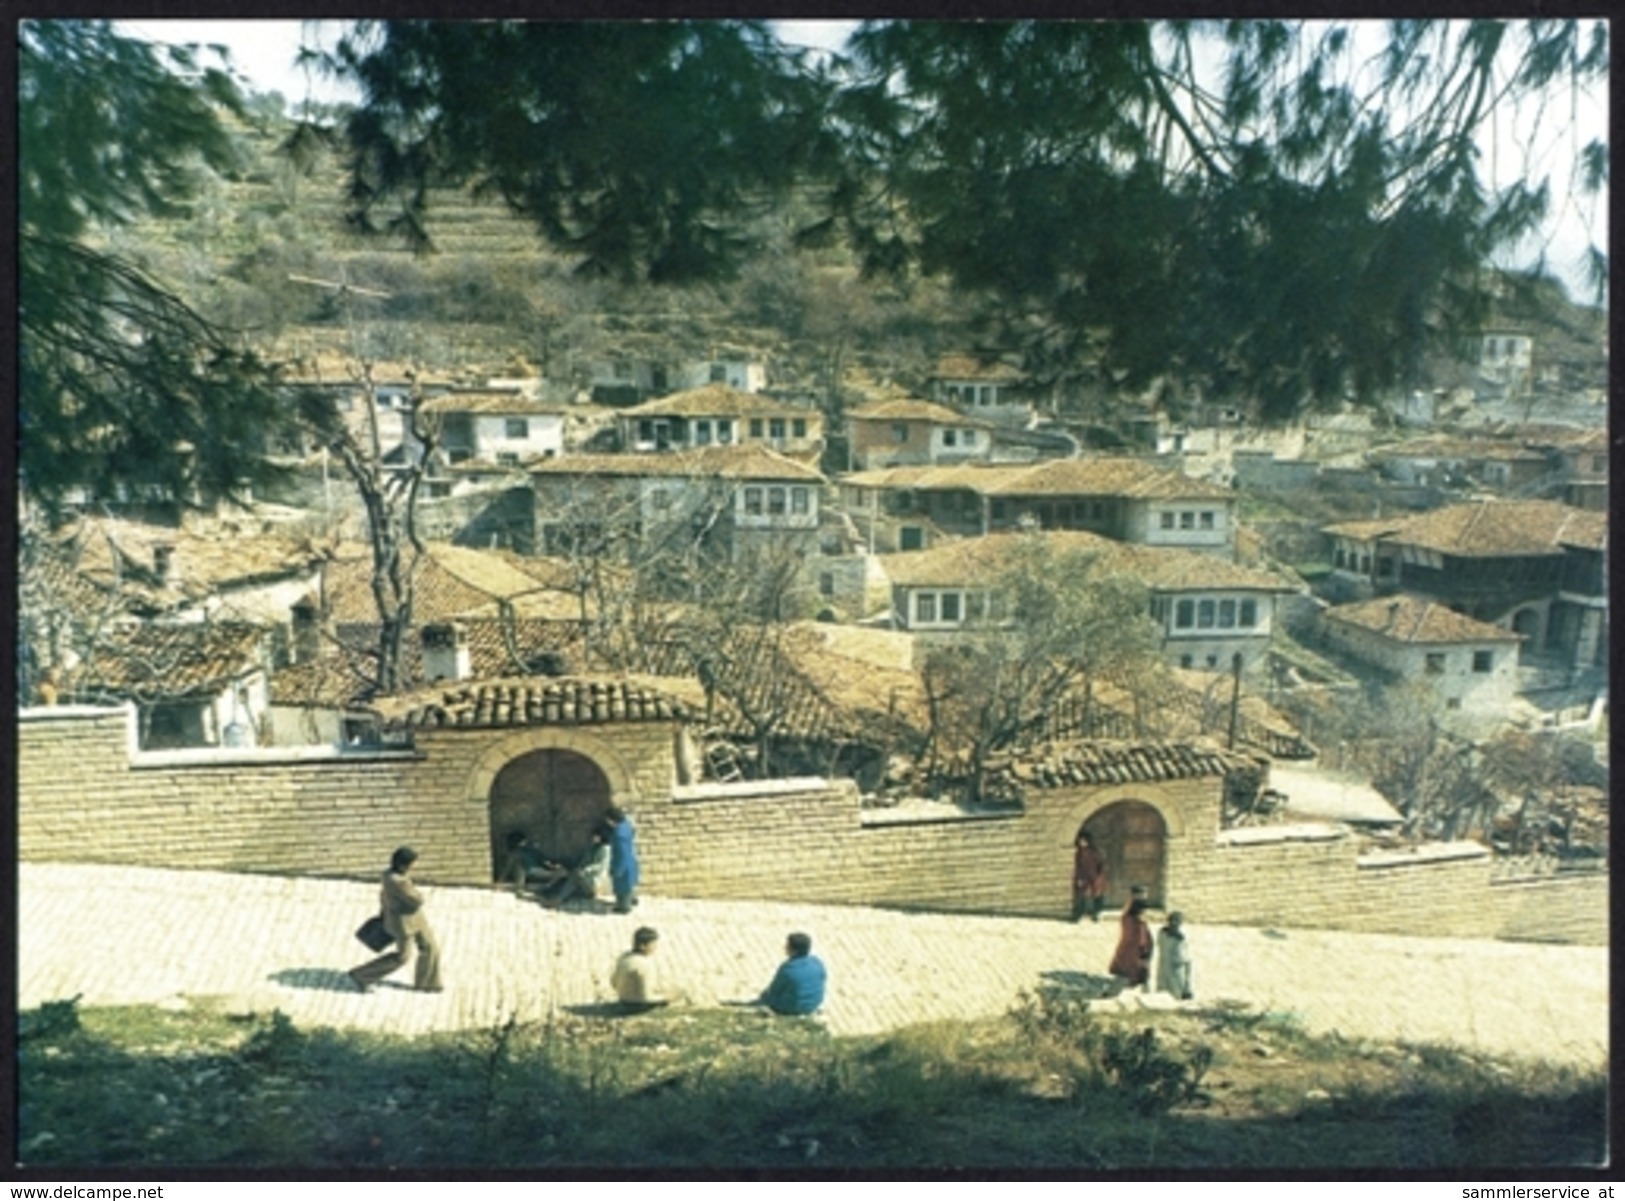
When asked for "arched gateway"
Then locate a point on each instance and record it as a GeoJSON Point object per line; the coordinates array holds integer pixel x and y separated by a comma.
{"type": "Point", "coordinates": [553, 795]}
{"type": "Point", "coordinates": [1133, 837]}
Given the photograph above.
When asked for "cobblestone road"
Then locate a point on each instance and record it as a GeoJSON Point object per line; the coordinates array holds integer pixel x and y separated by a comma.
{"type": "Point", "coordinates": [124, 935]}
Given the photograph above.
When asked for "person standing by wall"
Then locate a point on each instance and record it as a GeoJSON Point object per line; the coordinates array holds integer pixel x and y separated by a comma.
{"type": "Point", "coordinates": [1088, 878]}
{"type": "Point", "coordinates": [623, 859]}
{"type": "Point", "coordinates": [402, 907]}
{"type": "Point", "coordinates": [1174, 958]}
{"type": "Point", "coordinates": [1132, 959]}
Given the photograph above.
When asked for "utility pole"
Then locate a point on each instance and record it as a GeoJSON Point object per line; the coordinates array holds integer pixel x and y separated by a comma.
{"type": "Point", "coordinates": [1235, 697]}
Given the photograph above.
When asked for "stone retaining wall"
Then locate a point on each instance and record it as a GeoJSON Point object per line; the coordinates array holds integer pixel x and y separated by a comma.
{"type": "Point", "coordinates": [85, 794]}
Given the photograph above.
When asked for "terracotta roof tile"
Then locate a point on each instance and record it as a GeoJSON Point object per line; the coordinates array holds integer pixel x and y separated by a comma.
{"type": "Point", "coordinates": [1069, 764]}
{"type": "Point", "coordinates": [983, 560]}
{"type": "Point", "coordinates": [345, 675]}
{"type": "Point", "coordinates": [1413, 620]}
{"type": "Point", "coordinates": [1107, 476]}
{"type": "Point", "coordinates": [168, 661]}
{"type": "Point", "coordinates": [535, 701]}
{"type": "Point", "coordinates": [111, 553]}
{"type": "Point", "coordinates": [1492, 528]}
{"type": "Point", "coordinates": [1456, 448]}
{"type": "Point", "coordinates": [714, 400]}
{"type": "Point", "coordinates": [748, 462]}
{"type": "Point", "coordinates": [906, 408]}
{"type": "Point", "coordinates": [976, 367]}
{"type": "Point", "coordinates": [496, 402]}
{"type": "Point", "coordinates": [451, 581]}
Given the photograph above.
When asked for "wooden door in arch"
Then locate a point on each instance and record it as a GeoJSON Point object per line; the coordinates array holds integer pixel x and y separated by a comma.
{"type": "Point", "coordinates": [1133, 838]}
{"type": "Point", "coordinates": [555, 797]}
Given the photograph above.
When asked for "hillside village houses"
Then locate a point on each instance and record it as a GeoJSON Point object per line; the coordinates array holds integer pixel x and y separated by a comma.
{"type": "Point", "coordinates": [1535, 568]}
{"type": "Point", "coordinates": [499, 427]}
{"type": "Point", "coordinates": [1500, 466]}
{"type": "Point", "coordinates": [902, 431]}
{"type": "Point", "coordinates": [718, 415]}
{"type": "Point", "coordinates": [982, 385]}
{"type": "Point", "coordinates": [629, 378]}
{"type": "Point", "coordinates": [1467, 668]}
{"type": "Point", "coordinates": [1208, 611]}
{"type": "Point", "coordinates": [1131, 500]}
{"type": "Point", "coordinates": [743, 500]}
{"type": "Point", "coordinates": [524, 708]}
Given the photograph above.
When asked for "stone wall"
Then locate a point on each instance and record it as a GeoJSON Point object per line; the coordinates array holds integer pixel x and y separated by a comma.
{"type": "Point", "coordinates": [86, 795]}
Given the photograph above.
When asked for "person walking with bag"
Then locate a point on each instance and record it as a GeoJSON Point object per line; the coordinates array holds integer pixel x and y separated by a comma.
{"type": "Point", "coordinates": [401, 906]}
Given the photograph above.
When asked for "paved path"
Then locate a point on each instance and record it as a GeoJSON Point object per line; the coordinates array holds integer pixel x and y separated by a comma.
{"type": "Point", "coordinates": [125, 935]}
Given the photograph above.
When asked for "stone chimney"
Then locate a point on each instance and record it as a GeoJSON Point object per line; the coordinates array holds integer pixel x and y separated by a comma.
{"type": "Point", "coordinates": [445, 652]}
{"type": "Point", "coordinates": [163, 560]}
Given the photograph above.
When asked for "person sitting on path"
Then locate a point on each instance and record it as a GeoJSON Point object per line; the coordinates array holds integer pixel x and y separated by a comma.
{"type": "Point", "coordinates": [583, 881]}
{"type": "Point", "coordinates": [1174, 958]}
{"type": "Point", "coordinates": [798, 986]}
{"type": "Point", "coordinates": [623, 860]}
{"type": "Point", "coordinates": [1088, 879]}
{"type": "Point", "coordinates": [401, 905]}
{"type": "Point", "coordinates": [1132, 959]}
{"type": "Point", "coordinates": [634, 976]}
{"type": "Point", "coordinates": [527, 867]}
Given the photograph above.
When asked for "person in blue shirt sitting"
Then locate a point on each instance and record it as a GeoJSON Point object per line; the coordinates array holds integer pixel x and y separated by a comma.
{"type": "Point", "coordinates": [798, 985]}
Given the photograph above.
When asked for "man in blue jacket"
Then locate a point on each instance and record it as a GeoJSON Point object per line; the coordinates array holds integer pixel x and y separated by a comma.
{"type": "Point", "coordinates": [623, 860]}
{"type": "Point", "coordinates": [798, 985]}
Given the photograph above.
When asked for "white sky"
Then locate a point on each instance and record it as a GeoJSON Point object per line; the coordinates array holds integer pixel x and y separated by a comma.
{"type": "Point", "coordinates": [264, 53]}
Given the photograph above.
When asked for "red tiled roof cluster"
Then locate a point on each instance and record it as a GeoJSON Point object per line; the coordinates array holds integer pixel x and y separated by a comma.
{"type": "Point", "coordinates": [533, 701]}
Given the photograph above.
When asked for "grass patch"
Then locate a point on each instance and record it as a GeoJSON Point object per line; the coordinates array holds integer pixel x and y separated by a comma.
{"type": "Point", "coordinates": [1052, 1083]}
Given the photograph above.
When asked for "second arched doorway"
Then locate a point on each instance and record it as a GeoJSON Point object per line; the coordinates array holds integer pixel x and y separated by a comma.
{"type": "Point", "coordinates": [553, 796]}
{"type": "Point", "coordinates": [1133, 838]}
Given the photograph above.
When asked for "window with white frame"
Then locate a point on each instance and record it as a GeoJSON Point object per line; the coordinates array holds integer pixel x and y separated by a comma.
{"type": "Point", "coordinates": [925, 606]}
{"type": "Point", "coordinates": [1207, 519]}
{"type": "Point", "coordinates": [1185, 614]}
{"type": "Point", "coordinates": [775, 502]}
{"type": "Point", "coordinates": [516, 427]}
{"type": "Point", "coordinates": [800, 501]}
{"type": "Point", "coordinates": [753, 502]}
{"type": "Point", "coordinates": [1206, 613]}
{"type": "Point", "coordinates": [725, 430]}
{"type": "Point", "coordinates": [775, 427]}
{"type": "Point", "coordinates": [755, 427]}
{"type": "Point", "coordinates": [1167, 521]}
{"type": "Point", "coordinates": [702, 433]}
{"type": "Point", "coordinates": [1483, 661]}
{"type": "Point", "coordinates": [1248, 617]}
{"type": "Point", "coordinates": [1187, 519]}
{"type": "Point", "coordinates": [950, 606]}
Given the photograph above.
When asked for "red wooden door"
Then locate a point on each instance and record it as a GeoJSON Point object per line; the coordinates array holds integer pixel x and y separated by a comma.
{"type": "Point", "coordinates": [1131, 835]}
{"type": "Point", "coordinates": [555, 797]}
